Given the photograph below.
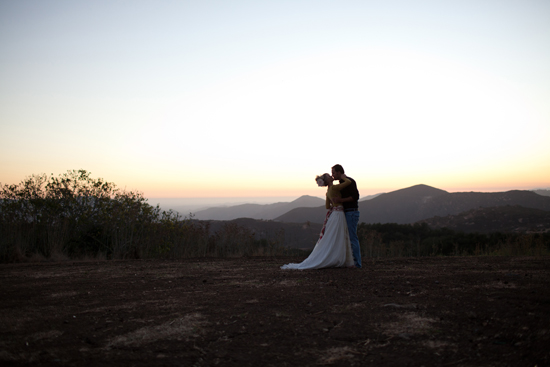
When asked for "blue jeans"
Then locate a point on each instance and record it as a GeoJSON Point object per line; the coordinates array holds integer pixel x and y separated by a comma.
{"type": "Point", "coordinates": [352, 218]}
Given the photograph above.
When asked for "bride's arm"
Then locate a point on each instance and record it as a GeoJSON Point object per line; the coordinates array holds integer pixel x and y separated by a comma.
{"type": "Point", "coordinates": [346, 183]}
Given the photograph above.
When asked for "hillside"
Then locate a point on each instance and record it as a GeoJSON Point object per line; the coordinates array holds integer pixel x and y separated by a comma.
{"type": "Point", "coordinates": [370, 197]}
{"type": "Point", "coordinates": [459, 202]}
{"type": "Point", "coordinates": [542, 192]}
{"type": "Point", "coordinates": [400, 206]}
{"type": "Point", "coordinates": [257, 211]}
{"type": "Point", "coordinates": [512, 219]}
{"type": "Point", "coordinates": [302, 215]}
{"type": "Point", "coordinates": [420, 202]}
{"type": "Point", "coordinates": [295, 235]}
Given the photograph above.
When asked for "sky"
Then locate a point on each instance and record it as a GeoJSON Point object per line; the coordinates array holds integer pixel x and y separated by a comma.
{"type": "Point", "coordinates": [233, 99]}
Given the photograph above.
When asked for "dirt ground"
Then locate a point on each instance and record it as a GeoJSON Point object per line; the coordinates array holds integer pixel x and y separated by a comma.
{"type": "Point", "coordinates": [444, 311]}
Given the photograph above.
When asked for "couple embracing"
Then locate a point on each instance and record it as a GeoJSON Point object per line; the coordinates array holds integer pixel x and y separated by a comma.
{"type": "Point", "coordinates": [338, 244]}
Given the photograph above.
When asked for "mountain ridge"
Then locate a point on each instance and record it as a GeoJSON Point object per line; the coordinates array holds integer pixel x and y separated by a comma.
{"type": "Point", "coordinates": [415, 203]}
{"type": "Point", "coordinates": [257, 211]}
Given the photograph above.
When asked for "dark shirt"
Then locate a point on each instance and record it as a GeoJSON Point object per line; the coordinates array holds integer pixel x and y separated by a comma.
{"type": "Point", "coordinates": [352, 191]}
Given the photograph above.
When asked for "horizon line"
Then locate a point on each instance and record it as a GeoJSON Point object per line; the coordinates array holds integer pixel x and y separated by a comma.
{"type": "Point", "coordinates": [298, 196]}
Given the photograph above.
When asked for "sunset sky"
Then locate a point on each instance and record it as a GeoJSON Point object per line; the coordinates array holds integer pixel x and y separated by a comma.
{"type": "Point", "coordinates": [201, 99]}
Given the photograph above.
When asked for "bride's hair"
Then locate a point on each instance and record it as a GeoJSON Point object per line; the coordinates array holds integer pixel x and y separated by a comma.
{"type": "Point", "coordinates": [322, 179]}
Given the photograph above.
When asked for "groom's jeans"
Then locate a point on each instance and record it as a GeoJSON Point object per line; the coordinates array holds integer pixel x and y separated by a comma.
{"type": "Point", "coordinates": [352, 219]}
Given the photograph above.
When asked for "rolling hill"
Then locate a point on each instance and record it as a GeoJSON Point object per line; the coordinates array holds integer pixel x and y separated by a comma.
{"type": "Point", "coordinates": [257, 211]}
{"type": "Point", "coordinates": [542, 192]}
{"type": "Point", "coordinates": [507, 219]}
{"type": "Point", "coordinates": [293, 235]}
{"type": "Point", "coordinates": [420, 202]}
{"type": "Point", "coordinates": [512, 211]}
{"type": "Point", "coordinates": [397, 206]}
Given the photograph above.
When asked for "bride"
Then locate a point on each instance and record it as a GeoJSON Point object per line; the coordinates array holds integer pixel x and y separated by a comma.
{"type": "Point", "coordinates": [333, 249]}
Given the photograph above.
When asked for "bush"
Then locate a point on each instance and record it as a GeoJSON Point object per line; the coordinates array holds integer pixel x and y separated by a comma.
{"type": "Point", "coordinates": [74, 215]}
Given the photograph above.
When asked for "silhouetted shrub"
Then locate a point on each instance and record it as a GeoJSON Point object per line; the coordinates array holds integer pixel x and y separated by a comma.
{"type": "Point", "coordinates": [75, 215]}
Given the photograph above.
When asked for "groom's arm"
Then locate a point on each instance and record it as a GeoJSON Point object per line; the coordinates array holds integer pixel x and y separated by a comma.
{"type": "Point", "coordinates": [348, 199]}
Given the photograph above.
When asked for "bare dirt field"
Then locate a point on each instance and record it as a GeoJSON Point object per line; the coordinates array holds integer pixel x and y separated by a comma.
{"type": "Point", "coordinates": [444, 311]}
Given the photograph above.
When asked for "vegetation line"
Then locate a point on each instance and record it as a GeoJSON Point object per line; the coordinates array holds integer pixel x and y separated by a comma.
{"type": "Point", "coordinates": [75, 216]}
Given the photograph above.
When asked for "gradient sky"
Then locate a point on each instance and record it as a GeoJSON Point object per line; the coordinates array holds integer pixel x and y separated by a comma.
{"type": "Point", "coordinates": [255, 98]}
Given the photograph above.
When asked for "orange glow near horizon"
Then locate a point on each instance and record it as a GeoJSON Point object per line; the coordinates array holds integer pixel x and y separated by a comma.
{"type": "Point", "coordinates": [237, 184]}
{"type": "Point", "coordinates": [366, 187]}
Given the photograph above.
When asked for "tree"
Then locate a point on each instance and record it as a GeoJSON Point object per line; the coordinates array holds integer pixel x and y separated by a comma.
{"type": "Point", "coordinates": [72, 213]}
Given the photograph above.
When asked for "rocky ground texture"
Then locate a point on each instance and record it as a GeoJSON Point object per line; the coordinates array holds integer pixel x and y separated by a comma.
{"type": "Point", "coordinates": [440, 311]}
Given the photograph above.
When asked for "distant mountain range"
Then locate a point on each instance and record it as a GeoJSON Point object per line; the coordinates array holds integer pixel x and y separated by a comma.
{"type": "Point", "coordinates": [403, 206]}
{"type": "Point", "coordinates": [542, 192]}
{"type": "Point", "coordinates": [421, 202]}
{"type": "Point", "coordinates": [258, 211]}
{"type": "Point", "coordinates": [300, 221]}
{"type": "Point", "coordinates": [262, 211]}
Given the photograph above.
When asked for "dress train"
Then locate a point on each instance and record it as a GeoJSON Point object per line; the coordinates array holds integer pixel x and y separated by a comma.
{"type": "Point", "coordinates": [333, 249]}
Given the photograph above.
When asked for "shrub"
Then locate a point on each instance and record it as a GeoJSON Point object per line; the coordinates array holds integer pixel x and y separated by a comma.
{"type": "Point", "coordinates": [74, 215]}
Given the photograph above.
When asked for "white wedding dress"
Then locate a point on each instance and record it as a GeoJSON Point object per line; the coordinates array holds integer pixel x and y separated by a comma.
{"type": "Point", "coordinates": [333, 249]}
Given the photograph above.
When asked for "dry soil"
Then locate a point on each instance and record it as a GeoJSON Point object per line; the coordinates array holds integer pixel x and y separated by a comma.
{"type": "Point", "coordinates": [444, 311]}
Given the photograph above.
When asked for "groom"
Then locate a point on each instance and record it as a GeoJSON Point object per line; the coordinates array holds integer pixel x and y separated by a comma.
{"type": "Point", "coordinates": [350, 197]}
